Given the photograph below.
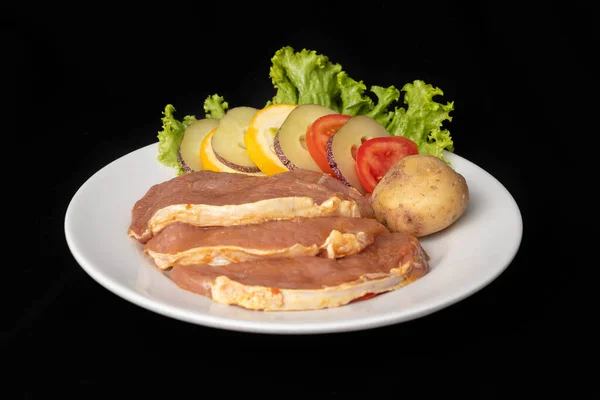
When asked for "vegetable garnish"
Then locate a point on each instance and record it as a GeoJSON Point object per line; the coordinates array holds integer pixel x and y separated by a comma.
{"type": "Point", "coordinates": [422, 120]}
{"type": "Point", "coordinates": [306, 77]}
{"type": "Point", "coordinates": [169, 139]}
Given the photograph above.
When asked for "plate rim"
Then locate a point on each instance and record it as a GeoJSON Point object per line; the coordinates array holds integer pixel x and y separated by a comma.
{"type": "Point", "coordinates": [253, 326]}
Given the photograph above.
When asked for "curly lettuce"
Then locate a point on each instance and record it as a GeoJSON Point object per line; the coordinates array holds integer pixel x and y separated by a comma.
{"type": "Point", "coordinates": [423, 118]}
{"type": "Point", "coordinates": [304, 77]}
{"type": "Point", "coordinates": [215, 106]}
{"type": "Point", "coordinates": [169, 139]}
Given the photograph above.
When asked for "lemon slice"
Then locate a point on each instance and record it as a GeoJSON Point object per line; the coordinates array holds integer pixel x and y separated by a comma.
{"type": "Point", "coordinates": [260, 136]}
{"type": "Point", "coordinates": [210, 161]}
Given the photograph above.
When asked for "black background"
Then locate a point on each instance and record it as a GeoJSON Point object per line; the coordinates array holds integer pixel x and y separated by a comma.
{"type": "Point", "coordinates": [87, 84]}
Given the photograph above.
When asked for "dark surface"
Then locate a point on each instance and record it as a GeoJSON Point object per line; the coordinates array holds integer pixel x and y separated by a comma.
{"type": "Point", "coordinates": [90, 86]}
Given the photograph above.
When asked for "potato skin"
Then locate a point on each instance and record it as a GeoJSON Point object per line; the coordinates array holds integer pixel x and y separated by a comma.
{"type": "Point", "coordinates": [420, 195]}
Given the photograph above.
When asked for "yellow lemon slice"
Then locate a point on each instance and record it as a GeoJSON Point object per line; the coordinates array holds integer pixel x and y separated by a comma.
{"type": "Point", "coordinates": [260, 136]}
{"type": "Point", "coordinates": [210, 161]}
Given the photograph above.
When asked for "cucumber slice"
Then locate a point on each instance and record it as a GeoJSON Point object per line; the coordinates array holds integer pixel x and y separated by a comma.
{"type": "Point", "coordinates": [290, 140]}
{"type": "Point", "coordinates": [342, 147]}
{"type": "Point", "coordinates": [228, 139]}
{"type": "Point", "coordinates": [189, 150]}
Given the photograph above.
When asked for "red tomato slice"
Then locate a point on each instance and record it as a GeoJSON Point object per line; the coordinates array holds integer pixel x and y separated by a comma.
{"type": "Point", "coordinates": [318, 134]}
{"type": "Point", "coordinates": [377, 155]}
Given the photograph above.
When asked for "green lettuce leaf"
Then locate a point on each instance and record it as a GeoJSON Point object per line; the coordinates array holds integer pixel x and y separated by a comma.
{"type": "Point", "coordinates": [304, 77]}
{"type": "Point", "coordinates": [385, 98]}
{"type": "Point", "coordinates": [215, 106]}
{"type": "Point", "coordinates": [353, 100]}
{"type": "Point", "coordinates": [169, 139]}
{"type": "Point", "coordinates": [422, 120]}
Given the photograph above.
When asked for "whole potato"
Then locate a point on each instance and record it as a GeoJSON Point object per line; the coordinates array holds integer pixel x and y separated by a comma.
{"type": "Point", "coordinates": [420, 195]}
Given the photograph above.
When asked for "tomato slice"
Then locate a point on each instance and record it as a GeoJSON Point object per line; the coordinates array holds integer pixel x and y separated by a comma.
{"type": "Point", "coordinates": [318, 134]}
{"type": "Point", "coordinates": [377, 155]}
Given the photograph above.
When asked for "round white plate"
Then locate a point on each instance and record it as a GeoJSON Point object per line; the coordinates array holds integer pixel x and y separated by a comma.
{"type": "Point", "coordinates": [464, 258]}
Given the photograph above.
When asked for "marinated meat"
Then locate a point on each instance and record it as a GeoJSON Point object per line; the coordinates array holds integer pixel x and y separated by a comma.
{"type": "Point", "coordinates": [330, 237]}
{"type": "Point", "coordinates": [307, 283]}
{"type": "Point", "coordinates": [207, 198]}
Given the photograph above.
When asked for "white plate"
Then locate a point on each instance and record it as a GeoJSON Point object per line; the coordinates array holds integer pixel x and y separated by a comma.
{"type": "Point", "coordinates": [464, 258]}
